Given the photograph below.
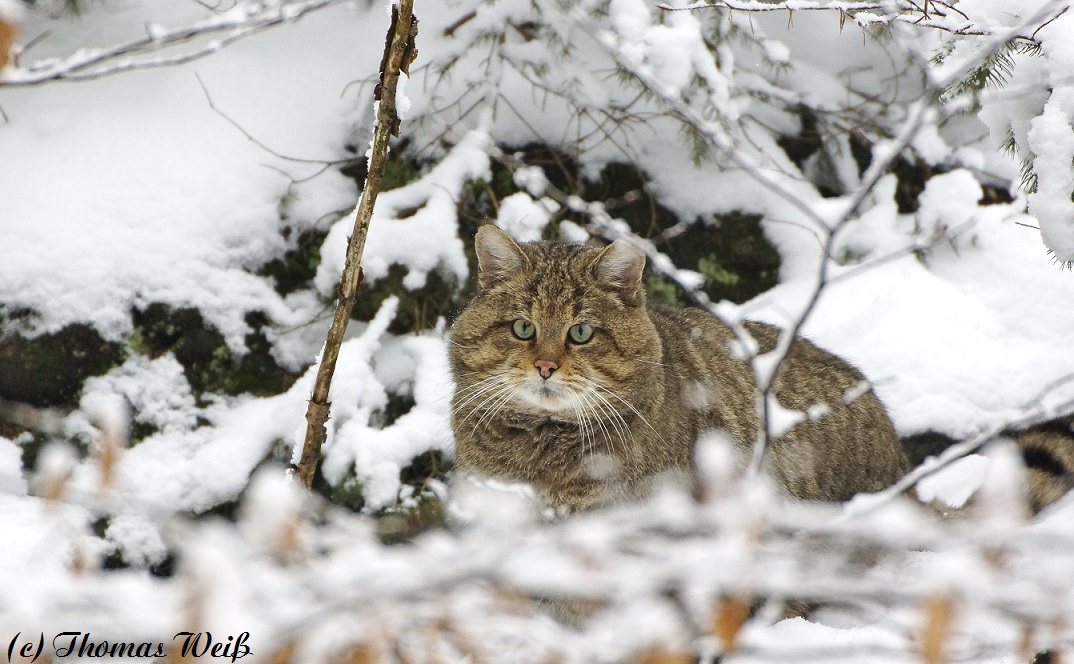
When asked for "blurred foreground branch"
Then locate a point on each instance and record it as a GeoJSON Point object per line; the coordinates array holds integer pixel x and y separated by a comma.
{"type": "Point", "coordinates": [399, 52]}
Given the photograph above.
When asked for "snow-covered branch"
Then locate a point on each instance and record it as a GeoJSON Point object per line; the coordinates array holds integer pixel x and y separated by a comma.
{"type": "Point", "coordinates": [153, 50]}
{"type": "Point", "coordinates": [924, 110]}
{"type": "Point", "coordinates": [934, 14]}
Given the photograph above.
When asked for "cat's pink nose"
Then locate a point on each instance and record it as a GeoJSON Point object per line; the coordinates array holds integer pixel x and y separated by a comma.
{"type": "Point", "coordinates": [546, 367]}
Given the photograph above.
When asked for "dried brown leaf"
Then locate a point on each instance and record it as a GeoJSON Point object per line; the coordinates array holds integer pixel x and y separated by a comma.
{"type": "Point", "coordinates": [359, 653]}
{"type": "Point", "coordinates": [664, 657]}
{"type": "Point", "coordinates": [7, 40]}
{"type": "Point", "coordinates": [731, 614]}
{"type": "Point", "coordinates": [938, 612]}
{"type": "Point", "coordinates": [283, 655]}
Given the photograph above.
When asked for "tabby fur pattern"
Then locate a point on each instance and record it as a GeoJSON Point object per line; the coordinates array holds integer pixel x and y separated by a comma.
{"type": "Point", "coordinates": [566, 380]}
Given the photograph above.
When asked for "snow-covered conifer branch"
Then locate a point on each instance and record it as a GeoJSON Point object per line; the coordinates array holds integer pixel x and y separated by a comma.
{"type": "Point", "coordinates": [153, 50]}
{"type": "Point", "coordinates": [934, 14]}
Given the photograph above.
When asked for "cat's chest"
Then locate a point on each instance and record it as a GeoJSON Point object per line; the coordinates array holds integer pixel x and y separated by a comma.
{"type": "Point", "coordinates": [544, 443]}
{"type": "Point", "coordinates": [542, 431]}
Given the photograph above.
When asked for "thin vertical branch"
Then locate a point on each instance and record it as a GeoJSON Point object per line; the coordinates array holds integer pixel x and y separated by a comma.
{"type": "Point", "coordinates": [399, 53]}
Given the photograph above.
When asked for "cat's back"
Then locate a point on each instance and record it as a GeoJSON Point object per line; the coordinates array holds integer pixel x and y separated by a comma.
{"type": "Point", "coordinates": [843, 445]}
{"type": "Point", "coordinates": [703, 378]}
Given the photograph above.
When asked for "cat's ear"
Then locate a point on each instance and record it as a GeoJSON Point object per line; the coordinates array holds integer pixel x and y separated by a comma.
{"type": "Point", "coordinates": [619, 268]}
{"type": "Point", "coordinates": [497, 256]}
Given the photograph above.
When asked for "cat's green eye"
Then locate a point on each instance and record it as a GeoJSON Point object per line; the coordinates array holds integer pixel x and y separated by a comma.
{"type": "Point", "coordinates": [580, 333]}
{"type": "Point", "coordinates": [523, 329]}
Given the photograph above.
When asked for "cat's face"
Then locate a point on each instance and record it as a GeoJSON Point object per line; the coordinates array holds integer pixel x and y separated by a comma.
{"type": "Point", "coordinates": [557, 330]}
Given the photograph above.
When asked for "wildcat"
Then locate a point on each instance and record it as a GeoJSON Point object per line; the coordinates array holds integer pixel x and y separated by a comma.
{"type": "Point", "coordinates": [568, 381]}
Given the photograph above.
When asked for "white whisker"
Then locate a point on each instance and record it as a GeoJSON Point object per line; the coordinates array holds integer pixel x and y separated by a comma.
{"type": "Point", "coordinates": [604, 429]}
{"type": "Point", "coordinates": [659, 364]}
{"type": "Point", "coordinates": [471, 392]}
{"type": "Point", "coordinates": [627, 404]}
{"type": "Point", "coordinates": [509, 392]}
{"type": "Point", "coordinates": [615, 419]}
{"type": "Point", "coordinates": [492, 395]}
{"type": "Point", "coordinates": [582, 424]}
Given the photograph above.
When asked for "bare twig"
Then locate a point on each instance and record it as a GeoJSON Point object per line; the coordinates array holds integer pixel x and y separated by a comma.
{"type": "Point", "coordinates": [259, 143]}
{"type": "Point", "coordinates": [461, 21]}
{"type": "Point", "coordinates": [399, 53]}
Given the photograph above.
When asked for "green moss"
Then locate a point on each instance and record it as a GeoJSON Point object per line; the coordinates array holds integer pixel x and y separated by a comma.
{"type": "Point", "coordinates": [560, 168]}
{"type": "Point", "coordinates": [9, 430]}
{"type": "Point", "coordinates": [208, 363]}
{"type": "Point", "coordinates": [430, 465]}
{"type": "Point", "coordinates": [422, 512]}
{"type": "Point", "coordinates": [911, 176]}
{"type": "Point", "coordinates": [732, 251]}
{"type": "Point", "coordinates": [297, 267]}
{"type": "Point", "coordinates": [849, 256]}
{"type": "Point", "coordinates": [49, 370]}
{"type": "Point", "coordinates": [405, 520]}
{"type": "Point", "coordinates": [477, 206]}
{"type": "Point", "coordinates": [139, 431]}
{"type": "Point", "coordinates": [228, 510]}
{"type": "Point", "coordinates": [398, 405]}
{"type": "Point", "coordinates": [399, 170]}
{"type": "Point", "coordinates": [715, 274]}
{"type": "Point", "coordinates": [419, 309]}
{"type": "Point", "coordinates": [503, 182]}
{"type": "Point", "coordinates": [625, 191]}
{"type": "Point", "coordinates": [803, 145]}
{"type": "Point", "coordinates": [31, 449]}
{"type": "Point", "coordinates": [346, 494]}
{"type": "Point", "coordinates": [257, 371]}
{"type": "Point", "coordinates": [660, 291]}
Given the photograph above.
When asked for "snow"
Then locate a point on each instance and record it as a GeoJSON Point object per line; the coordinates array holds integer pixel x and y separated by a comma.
{"type": "Point", "coordinates": [524, 218]}
{"type": "Point", "coordinates": [948, 202]}
{"type": "Point", "coordinates": [130, 190]}
{"type": "Point", "coordinates": [156, 389]}
{"type": "Point", "coordinates": [1051, 139]}
{"type": "Point", "coordinates": [12, 11]}
{"type": "Point", "coordinates": [378, 454]}
{"type": "Point", "coordinates": [11, 478]}
{"type": "Point", "coordinates": [956, 483]}
{"type": "Point", "coordinates": [126, 207]}
{"type": "Point", "coordinates": [421, 240]}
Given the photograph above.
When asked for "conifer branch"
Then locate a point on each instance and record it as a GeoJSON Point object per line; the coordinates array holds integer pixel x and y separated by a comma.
{"type": "Point", "coordinates": [936, 14]}
{"type": "Point", "coordinates": [399, 53]}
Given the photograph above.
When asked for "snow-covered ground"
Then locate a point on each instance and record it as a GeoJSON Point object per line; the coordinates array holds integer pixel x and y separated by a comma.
{"type": "Point", "coordinates": [131, 189]}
